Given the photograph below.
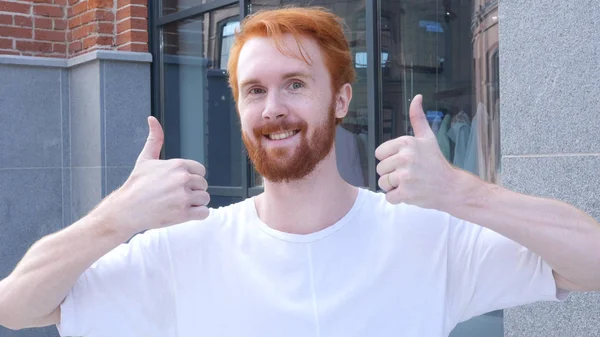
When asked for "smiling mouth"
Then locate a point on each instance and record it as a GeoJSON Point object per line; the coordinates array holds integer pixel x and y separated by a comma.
{"type": "Point", "coordinates": [281, 135]}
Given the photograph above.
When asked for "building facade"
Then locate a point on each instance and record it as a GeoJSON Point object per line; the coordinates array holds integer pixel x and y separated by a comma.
{"type": "Point", "coordinates": [79, 78]}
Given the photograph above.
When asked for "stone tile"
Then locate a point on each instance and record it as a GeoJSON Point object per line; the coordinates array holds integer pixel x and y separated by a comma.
{"type": "Point", "coordinates": [66, 120]}
{"type": "Point", "coordinates": [577, 316]}
{"type": "Point", "coordinates": [548, 72]}
{"type": "Point", "coordinates": [30, 208]}
{"type": "Point", "coordinates": [30, 111]}
{"type": "Point", "coordinates": [127, 106]}
{"type": "Point", "coordinates": [85, 116]}
{"type": "Point", "coordinates": [115, 177]}
{"type": "Point", "coordinates": [87, 190]}
{"type": "Point", "coordinates": [573, 179]}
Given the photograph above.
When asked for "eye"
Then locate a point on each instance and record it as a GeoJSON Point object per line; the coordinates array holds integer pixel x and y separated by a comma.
{"type": "Point", "coordinates": [297, 85]}
{"type": "Point", "coordinates": [256, 91]}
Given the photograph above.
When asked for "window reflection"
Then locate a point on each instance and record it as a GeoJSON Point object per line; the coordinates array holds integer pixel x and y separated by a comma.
{"type": "Point", "coordinates": [201, 122]}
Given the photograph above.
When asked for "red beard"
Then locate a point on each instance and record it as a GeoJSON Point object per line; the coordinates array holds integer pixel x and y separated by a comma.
{"type": "Point", "coordinates": [302, 160]}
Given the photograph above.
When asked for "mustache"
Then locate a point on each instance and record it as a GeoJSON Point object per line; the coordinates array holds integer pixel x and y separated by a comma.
{"type": "Point", "coordinates": [272, 127]}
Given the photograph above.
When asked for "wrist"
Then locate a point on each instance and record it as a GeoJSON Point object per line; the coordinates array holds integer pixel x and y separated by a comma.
{"type": "Point", "coordinates": [467, 193]}
{"type": "Point", "coordinates": [107, 222]}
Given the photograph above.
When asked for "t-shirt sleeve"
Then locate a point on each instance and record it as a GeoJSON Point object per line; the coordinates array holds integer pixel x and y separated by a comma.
{"type": "Point", "coordinates": [487, 272]}
{"type": "Point", "coordinates": [128, 292]}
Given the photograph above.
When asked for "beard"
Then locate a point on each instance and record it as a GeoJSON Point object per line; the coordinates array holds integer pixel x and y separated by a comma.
{"type": "Point", "coordinates": [278, 164]}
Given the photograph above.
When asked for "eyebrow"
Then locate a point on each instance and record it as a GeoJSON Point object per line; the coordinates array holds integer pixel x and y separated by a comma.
{"type": "Point", "coordinates": [302, 74]}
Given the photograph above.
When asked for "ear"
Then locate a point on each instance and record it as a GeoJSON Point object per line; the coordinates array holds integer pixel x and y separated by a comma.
{"type": "Point", "coordinates": [342, 100]}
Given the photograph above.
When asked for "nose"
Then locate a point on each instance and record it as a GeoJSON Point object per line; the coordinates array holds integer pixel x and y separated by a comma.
{"type": "Point", "coordinates": [274, 108]}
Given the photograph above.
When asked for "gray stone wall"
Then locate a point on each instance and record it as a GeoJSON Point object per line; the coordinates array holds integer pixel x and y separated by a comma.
{"type": "Point", "coordinates": [70, 132]}
{"type": "Point", "coordinates": [550, 125]}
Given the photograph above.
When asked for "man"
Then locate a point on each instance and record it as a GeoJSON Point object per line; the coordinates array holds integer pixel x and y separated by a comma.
{"type": "Point", "coordinates": [312, 255]}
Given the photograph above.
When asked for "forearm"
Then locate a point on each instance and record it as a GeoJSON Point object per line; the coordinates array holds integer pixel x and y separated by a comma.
{"type": "Point", "coordinates": [565, 237]}
{"type": "Point", "coordinates": [42, 279]}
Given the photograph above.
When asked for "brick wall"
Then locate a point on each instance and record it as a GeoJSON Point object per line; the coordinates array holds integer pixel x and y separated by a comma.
{"type": "Point", "coordinates": [67, 28]}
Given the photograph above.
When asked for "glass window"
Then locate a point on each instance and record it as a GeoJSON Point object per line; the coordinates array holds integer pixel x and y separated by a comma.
{"type": "Point", "coordinates": [200, 119]}
{"type": "Point", "coordinates": [446, 50]}
{"type": "Point", "coordinates": [172, 6]}
{"type": "Point", "coordinates": [351, 135]}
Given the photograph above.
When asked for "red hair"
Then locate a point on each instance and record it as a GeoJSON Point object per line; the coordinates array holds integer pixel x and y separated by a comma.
{"type": "Point", "coordinates": [313, 22]}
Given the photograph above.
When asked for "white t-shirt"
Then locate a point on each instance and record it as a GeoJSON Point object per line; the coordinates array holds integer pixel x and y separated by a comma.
{"type": "Point", "coordinates": [382, 270]}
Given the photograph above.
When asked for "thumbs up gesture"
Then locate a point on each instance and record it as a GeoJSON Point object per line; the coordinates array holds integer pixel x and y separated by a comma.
{"type": "Point", "coordinates": [413, 170]}
{"type": "Point", "coordinates": [158, 193]}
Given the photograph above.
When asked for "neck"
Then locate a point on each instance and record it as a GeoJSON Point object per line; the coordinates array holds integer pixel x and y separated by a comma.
{"type": "Point", "coordinates": [308, 205]}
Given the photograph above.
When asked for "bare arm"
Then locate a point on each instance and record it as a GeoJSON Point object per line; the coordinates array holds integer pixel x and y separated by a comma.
{"type": "Point", "coordinates": [31, 295]}
{"type": "Point", "coordinates": [565, 237]}
{"type": "Point", "coordinates": [158, 193]}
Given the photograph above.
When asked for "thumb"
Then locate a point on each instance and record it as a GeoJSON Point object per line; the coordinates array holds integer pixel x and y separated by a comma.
{"type": "Point", "coordinates": [154, 142]}
{"type": "Point", "coordinates": [418, 119]}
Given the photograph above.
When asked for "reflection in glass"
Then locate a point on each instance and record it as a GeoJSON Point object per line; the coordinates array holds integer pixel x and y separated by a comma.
{"type": "Point", "coordinates": [351, 135]}
{"type": "Point", "coordinates": [200, 120]}
{"type": "Point", "coordinates": [173, 6]}
{"type": "Point", "coordinates": [446, 50]}
{"type": "Point", "coordinates": [217, 201]}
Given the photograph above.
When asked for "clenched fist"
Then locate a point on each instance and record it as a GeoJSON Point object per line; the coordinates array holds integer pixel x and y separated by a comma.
{"type": "Point", "coordinates": [413, 170]}
{"type": "Point", "coordinates": [158, 193]}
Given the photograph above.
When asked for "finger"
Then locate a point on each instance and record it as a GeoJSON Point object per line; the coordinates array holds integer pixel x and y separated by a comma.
{"type": "Point", "coordinates": [197, 183]}
{"type": "Point", "coordinates": [391, 164]}
{"type": "Point", "coordinates": [199, 198]}
{"type": "Point", "coordinates": [189, 165]}
{"type": "Point", "coordinates": [198, 213]}
{"type": "Point", "coordinates": [393, 146]}
{"type": "Point", "coordinates": [387, 182]}
{"type": "Point", "coordinates": [154, 142]}
{"type": "Point", "coordinates": [418, 119]}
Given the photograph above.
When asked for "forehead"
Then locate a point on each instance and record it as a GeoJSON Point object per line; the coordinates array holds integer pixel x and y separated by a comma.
{"type": "Point", "coordinates": [260, 57]}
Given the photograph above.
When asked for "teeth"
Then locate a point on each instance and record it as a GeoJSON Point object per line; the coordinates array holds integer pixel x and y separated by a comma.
{"type": "Point", "coordinates": [282, 135]}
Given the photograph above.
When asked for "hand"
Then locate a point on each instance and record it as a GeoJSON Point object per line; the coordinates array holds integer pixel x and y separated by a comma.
{"type": "Point", "coordinates": [413, 170]}
{"type": "Point", "coordinates": [158, 193]}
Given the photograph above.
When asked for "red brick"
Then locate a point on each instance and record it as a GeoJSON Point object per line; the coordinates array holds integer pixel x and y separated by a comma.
{"type": "Point", "coordinates": [72, 2]}
{"type": "Point", "coordinates": [60, 24]}
{"type": "Point", "coordinates": [49, 10]}
{"type": "Point", "coordinates": [50, 35]}
{"type": "Point", "coordinates": [135, 47]}
{"type": "Point", "coordinates": [18, 32]}
{"type": "Point", "coordinates": [88, 17]}
{"type": "Point", "coordinates": [123, 3]}
{"type": "Point", "coordinates": [59, 48]}
{"type": "Point", "coordinates": [103, 15]}
{"type": "Point", "coordinates": [6, 19]}
{"type": "Point", "coordinates": [97, 41]}
{"type": "Point", "coordinates": [132, 23]}
{"type": "Point", "coordinates": [11, 6]}
{"type": "Point", "coordinates": [75, 22]}
{"type": "Point", "coordinates": [81, 32]}
{"type": "Point", "coordinates": [78, 8]}
{"type": "Point", "coordinates": [6, 43]}
{"type": "Point", "coordinates": [43, 1]}
{"type": "Point", "coordinates": [132, 12]}
{"type": "Point", "coordinates": [43, 23]}
{"type": "Point", "coordinates": [9, 52]}
{"type": "Point", "coordinates": [23, 21]}
{"type": "Point", "coordinates": [132, 36]}
{"type": "Point", "coordinates": [105, 28]}
{"type": "Point", "coordinates": [105, 40]}
{"type": "Point", "coordinates": [74, 47]}
{"type": "Point", "coordinates": [60, 2]}
{"type": "Point", "coordinates": [101, 3]}
{"type": "Point", "coordinates": [34, 46]}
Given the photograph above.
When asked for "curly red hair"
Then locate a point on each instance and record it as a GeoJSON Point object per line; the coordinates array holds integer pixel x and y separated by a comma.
{"type": "Point", "coordinates": [313, 22]}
